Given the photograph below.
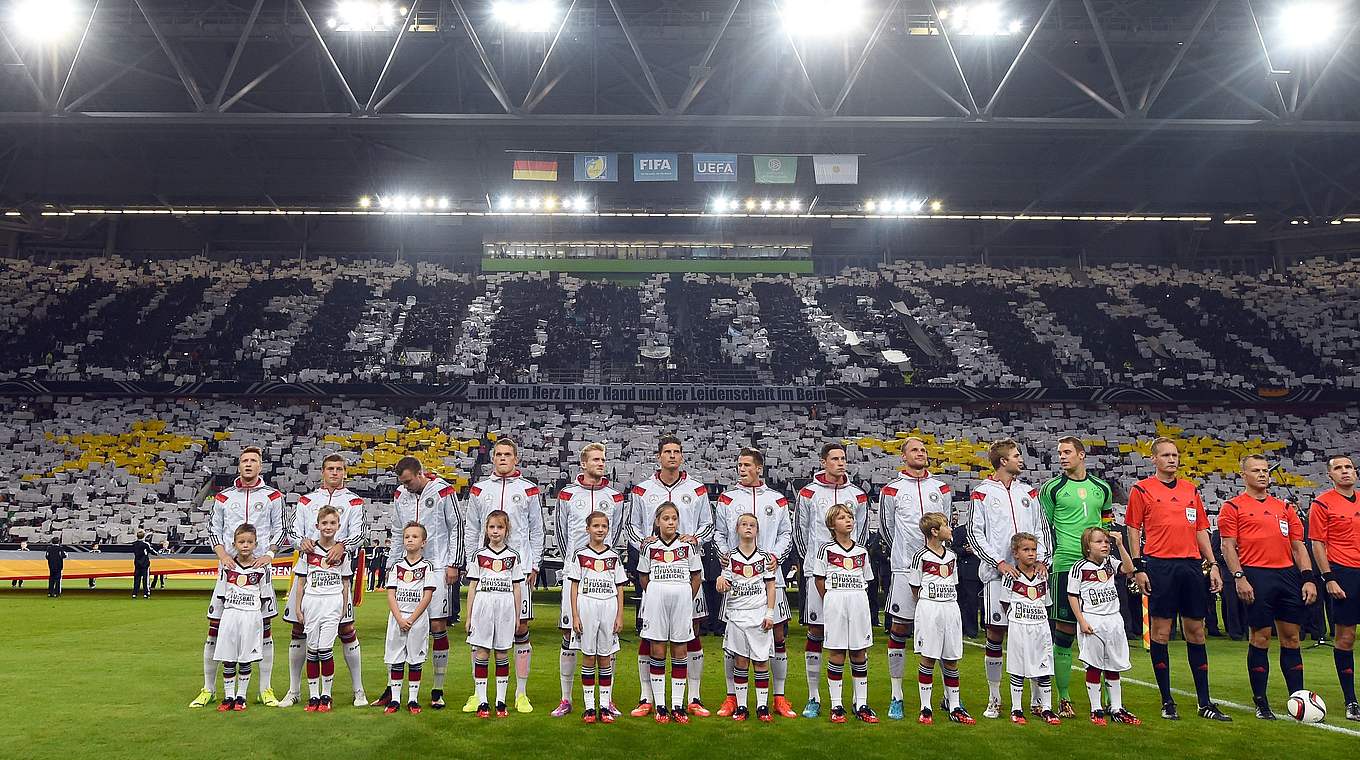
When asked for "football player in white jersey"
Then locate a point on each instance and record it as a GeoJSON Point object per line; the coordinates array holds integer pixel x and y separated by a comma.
{"type": "Point", "coordinates": [753, 496]}
{"type": "Point", "coordinates": [670, 483]}
{"type": "Point", "coordinates": [507, 489]}
{"type": "Point", "coordinates": [302, 534]}
{"type": "Point", "coordinates": [247, 500]}
{"type": "Point", "coordinates": [842, 570]}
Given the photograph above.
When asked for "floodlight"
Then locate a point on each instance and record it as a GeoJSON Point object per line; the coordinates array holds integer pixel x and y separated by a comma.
{"type": "Point", "coordinates": [936, 206]}
{"type": "Point", "coordinates": [365, 202]}
{"type": "Point", "coordinates": [765, 205]}
{"type": "Point", "coordinates": [870, 205]}
{"type": "Point", "coordinates": [1308, 24]}
{"type": "Point", "coordinates": [505, 202]}
{"type": "Point", "coordinates": [520, 203]}
{"type": "Point", "coordinates": [982, 20]}
{"type": "Point", "coordinates": [779, 205]}
{"type": "Point", "coordinates": [44, 20]}
{"type": "Point", "coordinates": [821, 18]}
{"type": "Point", "coordinates": [363, 16]}
{"type": "Point", "coordinates": [795, 205]}
{"type": "Point", "coordinates": [582, 203]}
{"type": "Point", "coordinates": [750, 204]}
{"type": "Point", "coordinates": [534, 203]}
{"type": "Point", "coordinates": [527, 15]}
{"type": "Point", "coordinates": [550, 203]}
{"type": "Point", "coordinates": [443, 203]}
{"type": "Point", "coordinates": [384, 201]}
{"type": "Point", "coordinates": [429, 203]}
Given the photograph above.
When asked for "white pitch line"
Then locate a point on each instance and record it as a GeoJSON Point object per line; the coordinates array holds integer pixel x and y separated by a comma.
{"type": "Point", "coordinates": [1233, 705]}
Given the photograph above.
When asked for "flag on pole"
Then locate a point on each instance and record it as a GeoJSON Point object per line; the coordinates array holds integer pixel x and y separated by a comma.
{"type": "Point", "coordinates": [543, 171]}
{"type": "Point", "coordinates": [836, 169]}
{"type": "Point", "coordinates": [775, 170]}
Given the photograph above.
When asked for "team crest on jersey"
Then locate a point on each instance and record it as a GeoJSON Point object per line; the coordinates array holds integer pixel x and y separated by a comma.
{"type": "Point", "coordinates": [496, 564]}
{"type": "Point", "coordinates": [938, 569]}
{"type": "Point", "coordinates": [429, 502]}
{"type": "Point", "coordinates": [242, 579]}
{"type": "Point", "coordinates": [257, 505]}
{"type": "Point", "coordinates": [1102, 575]}
{"type": "Point", "coordinates": [597, 564]}
{"type": "Point", "coordinates": [934, 497]}
{"type": "Point", "coordinates": [1024, 502]}
{"type": "Point", "coordinates": [686, 499]}
{"type": "Point", "coordinates": [744, 569]}
{"type": "Point", "coordinates": [769, 511]}
{"type": "Point", "coordinates": [410, 574]}
{"type": "Point", "coordinates": [517, 499]}
{"type": "Point", "coordinates": [670, 555]}
{"type": "Point", "coordinates": [841, 560]}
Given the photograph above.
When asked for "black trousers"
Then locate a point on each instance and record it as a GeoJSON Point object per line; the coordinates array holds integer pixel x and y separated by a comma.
{"type": "Point", "coordinates": [54, 579]}
{"type": "Point", "coordinates": [141, 577]}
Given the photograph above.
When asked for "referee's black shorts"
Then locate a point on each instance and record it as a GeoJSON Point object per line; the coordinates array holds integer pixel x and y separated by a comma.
{"type": "Point", "coordinates": [1178, 589]}
{"type": "Point", "coordinates": [1279, 596]}
{"type": "Point", "coordinates": [1346, 611]}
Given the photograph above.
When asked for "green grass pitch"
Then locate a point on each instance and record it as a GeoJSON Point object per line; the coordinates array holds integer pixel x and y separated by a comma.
{"type": "Point", "coordinates": [95, 674]}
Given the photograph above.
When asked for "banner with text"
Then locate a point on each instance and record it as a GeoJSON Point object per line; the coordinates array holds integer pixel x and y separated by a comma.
{"type": "Point", "coordinates": [647, 394]}
{"type": "Point", "coordinates": [715, 167]}
{"type": "Point", "coordinates": [656, 167]}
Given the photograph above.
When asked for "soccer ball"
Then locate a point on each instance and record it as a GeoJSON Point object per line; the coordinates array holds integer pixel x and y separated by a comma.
{"type": "Point", "coordinates": [1306, 707]}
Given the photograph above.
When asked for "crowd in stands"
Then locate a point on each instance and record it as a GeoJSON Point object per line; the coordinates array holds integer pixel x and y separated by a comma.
{"type": "Point", "coordinates": [358, 320]}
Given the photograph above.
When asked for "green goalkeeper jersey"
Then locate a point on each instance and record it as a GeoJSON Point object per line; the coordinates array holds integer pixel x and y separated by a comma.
{"type": "Point", "coordinates": [1072, 506]}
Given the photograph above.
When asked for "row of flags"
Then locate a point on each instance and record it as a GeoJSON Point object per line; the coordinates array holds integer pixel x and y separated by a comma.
{"type": "Point", "coordinates": [828, 169]}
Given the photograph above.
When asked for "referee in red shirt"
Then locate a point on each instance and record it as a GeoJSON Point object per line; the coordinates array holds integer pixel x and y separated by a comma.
{"type": "Point", "coordinates": [1334, 531]}
{"type": "Point", "coordinates": [1263, 547]}
{"type": "Point", "coordinates": [1168, 535]}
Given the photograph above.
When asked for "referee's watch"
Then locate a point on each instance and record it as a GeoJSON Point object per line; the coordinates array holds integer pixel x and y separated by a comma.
{"type": "Point", "coordinates": [1239, 574]}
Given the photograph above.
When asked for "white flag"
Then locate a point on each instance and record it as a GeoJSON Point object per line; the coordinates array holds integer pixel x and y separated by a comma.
{"type": "Point", "coordinates": [836, 169]}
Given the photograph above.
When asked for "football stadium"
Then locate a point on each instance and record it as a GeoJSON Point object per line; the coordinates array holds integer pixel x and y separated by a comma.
{"type": "Point", "coordinates": [679, 378]}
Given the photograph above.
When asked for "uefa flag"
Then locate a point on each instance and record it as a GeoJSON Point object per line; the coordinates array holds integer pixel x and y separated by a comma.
{"type": "Point", "coordinates": [543, 171]}
{"type": "Point", "coordinates": [775, 170]}
{"type": "Point", "coordinates": [836, 169]}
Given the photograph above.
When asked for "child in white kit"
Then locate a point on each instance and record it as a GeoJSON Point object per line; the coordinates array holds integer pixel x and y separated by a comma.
{"type": "Point", "coordinates": [1094, 598]}
{"type": "Point", "coordinates": [1029, 644]}
{"type": "Point", "coordinates": [410, 589]}
{"type": "Point", "coordinates": [749, 609]}
{"type": "Point", "coordinates": [494, 575]}
{"type": "Point", "coordinates": [934, 578]}
{"type": "Point", "coordinates": [321, 604]}
{"type": "Point", "coordinates": [671, 572]}
{"type": "Point", "coordinates": [240, 634]}
{"type": "Point", "coordinates": [843, 571]}
{"type": "Point", "coordinates": [596, 579]}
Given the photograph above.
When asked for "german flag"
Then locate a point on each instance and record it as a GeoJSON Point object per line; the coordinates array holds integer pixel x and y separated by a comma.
{"type": "Point", "coordinates": [544, 171]}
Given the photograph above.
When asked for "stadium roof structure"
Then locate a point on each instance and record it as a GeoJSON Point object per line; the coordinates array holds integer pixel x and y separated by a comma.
{"type": "Point", "coordinates": [1082, 106]}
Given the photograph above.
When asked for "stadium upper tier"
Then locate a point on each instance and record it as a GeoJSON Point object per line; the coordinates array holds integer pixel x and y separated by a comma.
{"type": "Point", "coordinates": [97, 470]}
{"type": "Point", "coordinates": [346, 321]}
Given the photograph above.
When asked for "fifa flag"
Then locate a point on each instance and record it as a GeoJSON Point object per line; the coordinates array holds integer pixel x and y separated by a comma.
{"type": "Point", "coordinates": [543, 171]}
{"type": "Point", "coordinates": [776, 170]}
{"type": "Point", "coordinates": [656, 167]}
{"type": "Point", "coordinates": [597, 167]}
{"type": "Point", "coordinates": [836, 169]}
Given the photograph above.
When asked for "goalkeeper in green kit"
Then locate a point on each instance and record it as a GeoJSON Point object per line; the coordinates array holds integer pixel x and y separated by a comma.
{"type": "Point", "coordinates": [1072, 502]}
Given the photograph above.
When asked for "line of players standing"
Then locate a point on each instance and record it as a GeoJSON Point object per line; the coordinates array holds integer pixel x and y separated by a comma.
{"type": "Point", "coordinates": [1168, 536]}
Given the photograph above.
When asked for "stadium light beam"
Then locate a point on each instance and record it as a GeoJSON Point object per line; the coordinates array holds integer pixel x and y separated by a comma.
{"type": "Point", "coordinates": [1308, 24]}
{"type": "Point", "coordinates": [44, 21]}
{"type": "Point", "coordinates": [535, 16]}
{"type": "Point", "coordinates": [821, 18]}
{"type": "Point", "coordinates": [364, 16]}
{"type": "Point", "coordinates": [981, 20]}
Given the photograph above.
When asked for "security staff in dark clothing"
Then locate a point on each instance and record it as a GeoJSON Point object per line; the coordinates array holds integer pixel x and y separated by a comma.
{"type": "Point", "coordinates": [56, 558]}
{"type": "Point", "coordinates": [141, 566]}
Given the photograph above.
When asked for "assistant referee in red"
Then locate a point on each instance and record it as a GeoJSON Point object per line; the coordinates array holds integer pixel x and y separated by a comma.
{"type": "Point", "coordinates": [1263, 548]}
{"type": "Point", "coordinates": [1168, 534]}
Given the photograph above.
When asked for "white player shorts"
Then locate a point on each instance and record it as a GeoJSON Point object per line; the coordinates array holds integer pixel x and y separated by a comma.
{"type": "Point", "coordinates": [526, 600]}
{"type": "Point", "coordinates": [322, 619]}
{"type": "Point", "coordinates": [240, 636]}
{"type": "Point", "coordinates": [939, 630]}
{"type": "Point", "coordinates": [1108, 647]}
{"type": "Point", "coordinates": [749, 641]}
{"type": "Point", "coordinates": [597, 637]}
{"type": "Point", "coordinates": [441, 601]}
{"type": "Point", "coordinates": [290, 614]}
{"type": "Point", "coordinates": [407, 647]}
{"type": "Point", "coordinates": [494, 618]}
{"type": "Point", "coordinates": [1029, 650]}
{"type": "Point", "coordinates": [812, 604]}
{"type": "Point", "coordinates": [668, 613]}
{"type": "Point", "coordinates": [992, 593]}
{"type": "Point", "coordinates": [845, 620]}
{"type": "Point", "coordinates": [901, 600]}
{"type": "Point", "coordinates": [269, 606]}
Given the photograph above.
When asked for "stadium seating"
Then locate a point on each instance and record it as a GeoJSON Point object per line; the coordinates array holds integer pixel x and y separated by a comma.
{"type": "Point", "coordinates": [364, 320]}
{"type": "Point", "coordinates": [92, 470]}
